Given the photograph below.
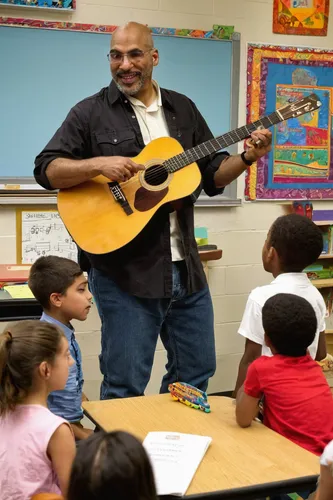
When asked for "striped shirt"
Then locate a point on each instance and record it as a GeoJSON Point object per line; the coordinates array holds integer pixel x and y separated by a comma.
{"type": "Point", "coordinates": [67, 402]}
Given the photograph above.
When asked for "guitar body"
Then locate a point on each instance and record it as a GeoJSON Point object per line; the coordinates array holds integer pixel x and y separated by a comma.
{"type": "Point", "coordinates": [99, 224]}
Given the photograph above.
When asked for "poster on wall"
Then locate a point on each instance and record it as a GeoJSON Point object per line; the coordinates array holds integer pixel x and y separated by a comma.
{"type": "Point", "coordinates": [65, 5]}
{"type": "Point", "coordinates": [300, 17]}
{"type": "Point", "coordinates": [300, 165]}
{"type": "Point", "coordinates": [42, 232]}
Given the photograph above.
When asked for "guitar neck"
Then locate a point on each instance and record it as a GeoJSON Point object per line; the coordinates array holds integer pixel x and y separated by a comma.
{"type": "Point", "coordinates": [223, 141]}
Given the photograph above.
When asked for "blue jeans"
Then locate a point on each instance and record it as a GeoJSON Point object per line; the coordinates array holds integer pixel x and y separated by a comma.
{"type": "Point", "coordinates": [130, 329]}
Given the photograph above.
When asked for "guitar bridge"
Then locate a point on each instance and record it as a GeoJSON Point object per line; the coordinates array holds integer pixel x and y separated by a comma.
{"type": "Point", "coordinates": [120, 197]}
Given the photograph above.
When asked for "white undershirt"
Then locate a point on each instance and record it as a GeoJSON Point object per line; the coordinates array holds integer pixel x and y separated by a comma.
{"type": "Point", "coordinates": [153, 125]}
{"type": "Point", "coordinates": [327, 456]}
{"type": "Point", "coordinates": [294, 283]}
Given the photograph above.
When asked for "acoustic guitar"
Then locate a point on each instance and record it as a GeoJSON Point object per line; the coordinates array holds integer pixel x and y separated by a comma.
{"type": "Point", "coordinates": [102, 216]}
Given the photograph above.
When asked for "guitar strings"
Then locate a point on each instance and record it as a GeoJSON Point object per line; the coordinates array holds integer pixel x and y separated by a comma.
{"type": "Point", "coordinates": [142, 195]}
{"type": "Point", "coordinates": [157, 171]}
{"type": "Point", "coordinates": [149, 177]}
{"type": "Point", "coordinates": [272, 119]}
{"type": "Point", "coordinates": [160, 170]}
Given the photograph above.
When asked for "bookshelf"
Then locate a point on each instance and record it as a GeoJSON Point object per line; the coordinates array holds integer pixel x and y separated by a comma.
{"type": "Point", "coordinates": [324, 283]}
{"type": "Point", "coordinates": [321, 282]}
{"type": "Point", "coordinates": [326, 256]}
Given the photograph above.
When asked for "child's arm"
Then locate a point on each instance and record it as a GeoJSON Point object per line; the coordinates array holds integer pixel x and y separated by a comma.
{"type": "Point", "coordinates": [247, 408]}
{"type": "Point", "coordinates": [251, 328]}
{"type": "Point", "coordinates": [80, 432]}
{"type": "Point", "coordinates": [321, 349]}
{"type": "Point", "coordinates": [62, 450]}
{"type": "Point", "coordinates": [248, 396]}
{"type": "Point", "coordinates": [325, 491]}
{"type": "Point", "coordinates": [252, 351]}
{"type": "Point", "coordinates": [325, 483]}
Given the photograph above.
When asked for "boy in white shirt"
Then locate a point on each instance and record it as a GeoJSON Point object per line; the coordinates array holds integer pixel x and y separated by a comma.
{"type": "Point", "coordinates": [293, 243]}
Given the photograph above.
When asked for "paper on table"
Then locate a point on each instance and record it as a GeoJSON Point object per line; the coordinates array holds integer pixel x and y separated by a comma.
{"type": "Point", "coordinates": [19, 291]}
{"type": "Point", "coordinates": [175, 458]}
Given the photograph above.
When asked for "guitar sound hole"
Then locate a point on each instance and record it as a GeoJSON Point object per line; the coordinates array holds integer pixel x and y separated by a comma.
{"type": "Point", "coordinates": [156, 175]}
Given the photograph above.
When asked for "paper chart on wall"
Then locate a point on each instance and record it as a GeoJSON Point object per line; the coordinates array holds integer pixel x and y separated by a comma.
{"type": "Point", "coordinates": [43, 233]}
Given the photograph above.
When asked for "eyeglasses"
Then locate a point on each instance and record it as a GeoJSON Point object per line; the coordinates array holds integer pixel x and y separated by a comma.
{"type": "Point", "coordinates": [133, 56]}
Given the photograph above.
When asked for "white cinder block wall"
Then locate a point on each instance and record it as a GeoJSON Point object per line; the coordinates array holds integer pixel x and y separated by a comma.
{"type": "Point", "coordinates": [240, 232]}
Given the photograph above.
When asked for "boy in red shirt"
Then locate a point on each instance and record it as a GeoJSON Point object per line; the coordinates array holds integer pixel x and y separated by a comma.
{"type": "Point", "coordinates": [298, 403]}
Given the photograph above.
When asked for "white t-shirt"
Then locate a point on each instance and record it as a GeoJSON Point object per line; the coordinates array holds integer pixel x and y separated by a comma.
{"type": "Point", "coordinates": [153, 125]}
{"type": "Point", "coordinates": [327, 456]}
{"type": "Point", "coordinates": [295, 283]}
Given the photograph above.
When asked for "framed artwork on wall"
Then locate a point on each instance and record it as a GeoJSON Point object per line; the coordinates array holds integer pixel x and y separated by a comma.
{"type": "Point", "coordinates": [300, 17]}
{"type": "Point", "coordinates": [300, 165]}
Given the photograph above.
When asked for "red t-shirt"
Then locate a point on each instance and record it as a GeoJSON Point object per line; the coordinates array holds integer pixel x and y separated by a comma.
{"type": "Point", "coordinates": [298, 401]}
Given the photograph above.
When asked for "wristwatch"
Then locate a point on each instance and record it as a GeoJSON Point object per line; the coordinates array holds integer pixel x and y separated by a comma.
{"type": "Point", "coordinates": [247, 162]}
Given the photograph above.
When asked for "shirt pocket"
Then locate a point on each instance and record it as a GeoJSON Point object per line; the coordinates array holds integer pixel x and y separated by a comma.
{"type": "Point", "coordinates": [116, 142]}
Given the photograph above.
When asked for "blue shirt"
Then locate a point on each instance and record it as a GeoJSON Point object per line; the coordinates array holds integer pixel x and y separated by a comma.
{"type": "Point", "coordinates": [67, 403]}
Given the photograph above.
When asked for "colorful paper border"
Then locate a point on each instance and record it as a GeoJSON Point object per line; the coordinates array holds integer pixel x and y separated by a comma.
{"type": "Point", "coordinates": [258, 57]}
{"type": "Point", "coordinates": [283, 30]}
{"type": "Point", "coordinates": [69, 10]}
{"type": "Point", "coordinates": [219, 32]}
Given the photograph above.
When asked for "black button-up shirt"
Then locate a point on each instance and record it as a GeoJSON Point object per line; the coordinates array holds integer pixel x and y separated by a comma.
{"type": "Point", "coordinates": [105, 125]}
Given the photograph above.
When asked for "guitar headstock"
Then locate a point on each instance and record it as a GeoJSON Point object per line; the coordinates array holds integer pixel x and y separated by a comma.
{"type": "Point", "coordinates": [298, 108]}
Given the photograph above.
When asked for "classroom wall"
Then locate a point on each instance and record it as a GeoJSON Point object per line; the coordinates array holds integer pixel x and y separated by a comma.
{"type": "Point", "coordinates": [240, 232]}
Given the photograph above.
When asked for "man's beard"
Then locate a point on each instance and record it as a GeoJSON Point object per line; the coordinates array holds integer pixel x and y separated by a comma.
{"type": "Point", "coordinates": [133, 91]}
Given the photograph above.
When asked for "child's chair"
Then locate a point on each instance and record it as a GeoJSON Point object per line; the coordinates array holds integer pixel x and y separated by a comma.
{"type": "Point", "coordinates": [47, 496]}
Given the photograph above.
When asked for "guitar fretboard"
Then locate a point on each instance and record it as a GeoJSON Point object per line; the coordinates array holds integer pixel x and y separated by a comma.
{"type": "Point", "coordinates": [223, 141]}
